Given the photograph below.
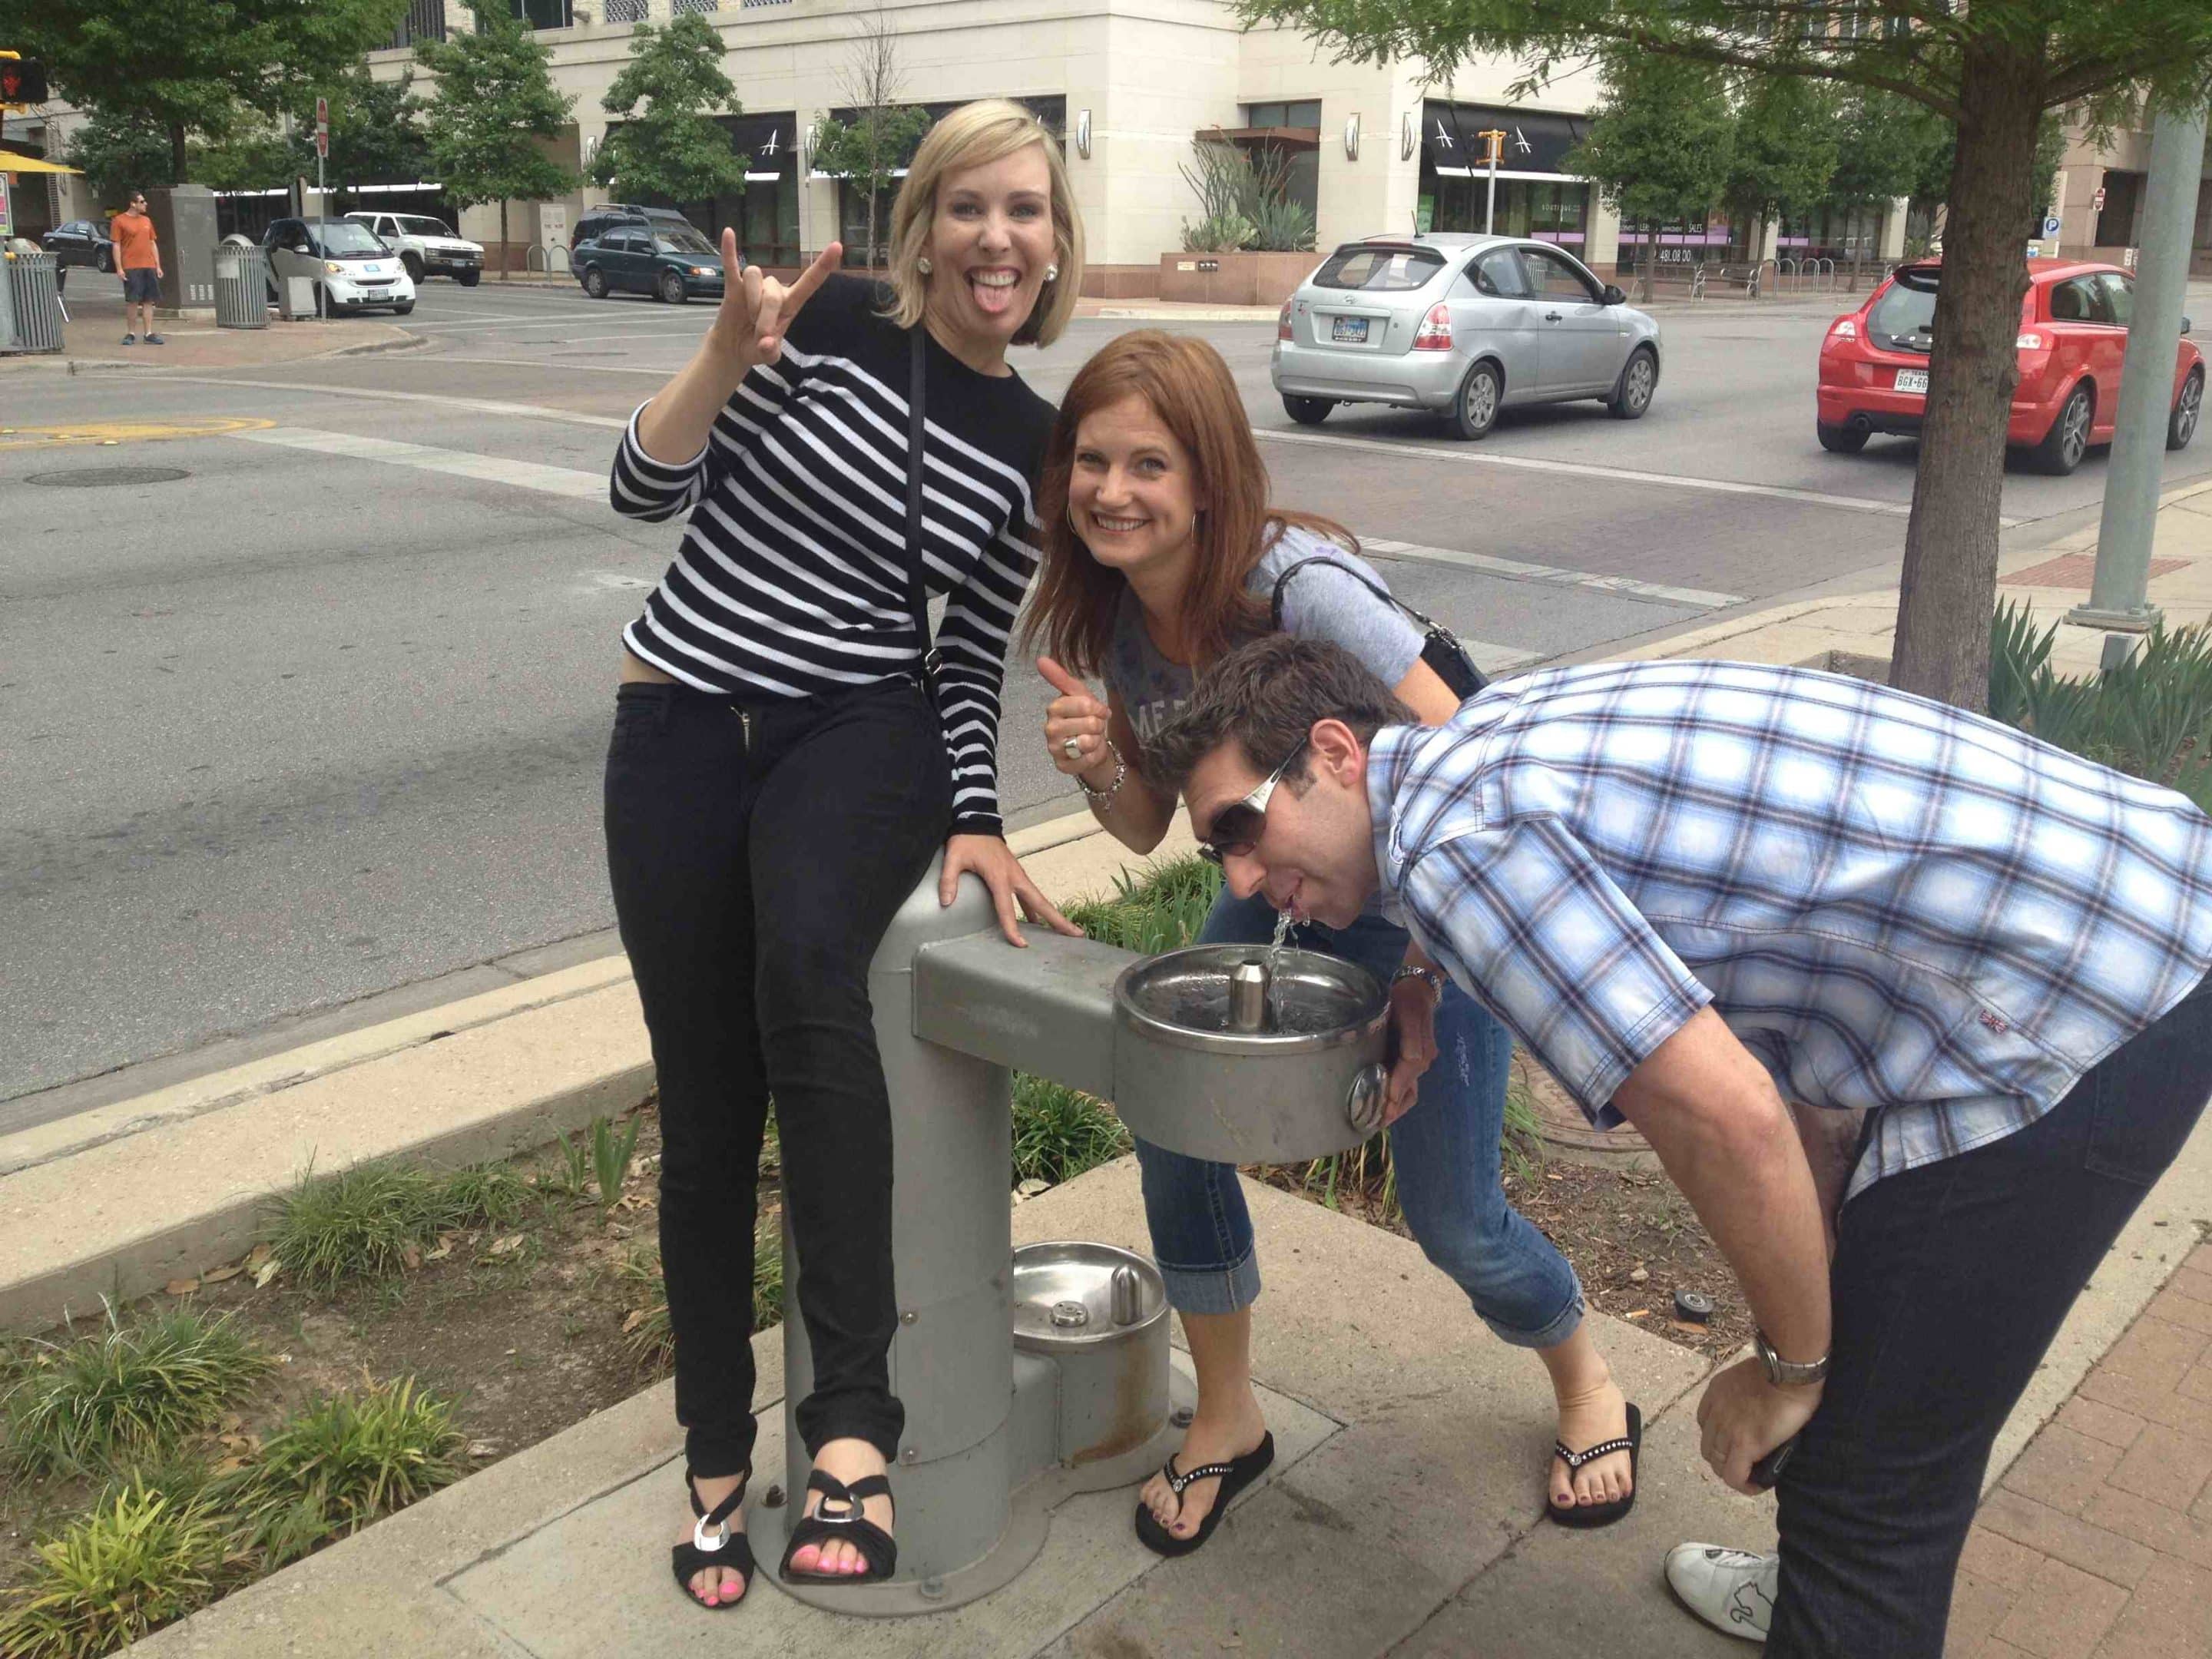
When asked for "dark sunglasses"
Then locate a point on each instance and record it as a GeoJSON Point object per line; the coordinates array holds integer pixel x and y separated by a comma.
{"type": "Point", "coordinates": [1238, 826]}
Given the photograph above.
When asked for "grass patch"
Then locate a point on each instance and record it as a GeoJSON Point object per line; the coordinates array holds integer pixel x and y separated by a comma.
{"type": "Point", "coordinates": [1059, 1132]}
{"type": "Point", "coordinates": [340, 1464]}
{"type": "Point", "coordinates": [126, 1390]}
{"type": "Point", "coordinates": [1161, 908]}
{"type": "Point", "coordinates": [368, 1221]}
{"type": "Point", "coordinates": [137, 1562]}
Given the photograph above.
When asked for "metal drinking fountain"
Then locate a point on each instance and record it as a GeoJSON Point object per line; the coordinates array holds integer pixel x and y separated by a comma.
{"type": "Point", "coordinates": [1030, 1375]}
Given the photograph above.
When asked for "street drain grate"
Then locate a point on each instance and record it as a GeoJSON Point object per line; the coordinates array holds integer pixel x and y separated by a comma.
{"type": "Point", "coordinates": [101, 478]}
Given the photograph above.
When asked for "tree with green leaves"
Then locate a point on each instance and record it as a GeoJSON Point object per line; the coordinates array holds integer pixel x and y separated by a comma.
{"type": "Point", "coordinates": [1880, 140]}
{"type": "Point", "coordinates": [495, 103]}
{"type": "Point", "coordinates": [672, 148]}
{"type": "Point", "coordinates": [884, 133]}
{"type": "Point", "coordinates": [1992, 68]}
{"type": "Point", "coordinates": [1783, 153]}
{"type": "Point", "coordinates": [1657, 146]}
{"type": "Point", "coordinates": [117, 155]}
{"type": "Point", "coordinates": [189, 68]}
{"type": "Point", "coordinates": [376, 137]}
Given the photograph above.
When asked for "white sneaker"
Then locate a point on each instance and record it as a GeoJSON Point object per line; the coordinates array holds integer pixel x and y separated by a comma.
{"type": "Point", "coordinates": [1732, 1590]}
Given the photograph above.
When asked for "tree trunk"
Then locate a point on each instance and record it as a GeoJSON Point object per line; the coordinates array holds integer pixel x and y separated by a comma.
{"type": "Point", "coordinates": [1949, 586]}
{"type": "Point", "coordinates": [506, 254]}
{"type": "Point", "coordinates": [177, 169]}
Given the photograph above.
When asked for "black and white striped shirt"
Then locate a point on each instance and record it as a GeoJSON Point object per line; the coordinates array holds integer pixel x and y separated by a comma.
{"type": "Point", "coordinates": [790, 579]}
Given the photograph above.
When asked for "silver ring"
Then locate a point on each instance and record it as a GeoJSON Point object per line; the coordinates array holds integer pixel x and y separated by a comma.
{"type": "Point", "coordinates": [1072, 749]}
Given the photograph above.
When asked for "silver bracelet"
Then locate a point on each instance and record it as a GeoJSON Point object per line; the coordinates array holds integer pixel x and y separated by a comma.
{"type": "Point", "coordinates": [1100, 797]}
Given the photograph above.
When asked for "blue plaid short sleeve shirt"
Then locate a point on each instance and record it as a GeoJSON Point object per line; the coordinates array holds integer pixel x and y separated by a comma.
{"type": "Point", "coordinates": [1892, 903]}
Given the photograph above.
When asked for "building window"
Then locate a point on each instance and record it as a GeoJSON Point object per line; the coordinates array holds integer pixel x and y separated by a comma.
{"type": "Point", "coordinates": [1306, 114]}
{"type": "Point", "coordinates": [2116, 224]}
{"type": "Point", "coordinates": [425, 20]}
{"type": "Point", "coordinates": [542, 14]}
{"type": "Point", "coordinates": [624, 11]}
{"type": "Point", "coordinates": [688, 8]}
{"type": "Point", "coordinates": [1540, 209]}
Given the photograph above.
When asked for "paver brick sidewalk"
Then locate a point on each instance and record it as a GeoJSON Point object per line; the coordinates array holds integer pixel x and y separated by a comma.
{"type": "Point", "coordinates": [2098, 1542]}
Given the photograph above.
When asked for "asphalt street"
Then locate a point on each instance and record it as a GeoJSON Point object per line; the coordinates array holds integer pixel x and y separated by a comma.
{"type": "Point", "coordinates": [306, 699]}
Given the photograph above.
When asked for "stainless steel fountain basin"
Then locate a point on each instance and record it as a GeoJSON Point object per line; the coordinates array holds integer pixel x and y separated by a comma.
{"type": "Point", "coordinates": [1309, 1082]}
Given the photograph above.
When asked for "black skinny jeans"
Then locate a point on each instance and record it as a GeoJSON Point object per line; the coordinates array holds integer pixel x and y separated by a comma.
{"type": "Point", "coordinates": [759, 848]}
{"type": "Point", "coordinates": [1950, 1281]}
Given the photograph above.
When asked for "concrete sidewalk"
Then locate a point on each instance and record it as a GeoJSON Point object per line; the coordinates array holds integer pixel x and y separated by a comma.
{"type": "Point", "coordinates": [93, 338]}
{"type": "Point", "coordinates": [1403, 1516]}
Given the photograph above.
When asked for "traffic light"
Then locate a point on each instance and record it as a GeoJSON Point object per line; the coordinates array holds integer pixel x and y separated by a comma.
{"type": "Point", "coordinates": [22, 81]}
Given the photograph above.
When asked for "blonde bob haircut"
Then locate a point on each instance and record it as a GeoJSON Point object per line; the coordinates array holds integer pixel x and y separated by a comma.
{"type": "Point", "coordinates": [975, 134]}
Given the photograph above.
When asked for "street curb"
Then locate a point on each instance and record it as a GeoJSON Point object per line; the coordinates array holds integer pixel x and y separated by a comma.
{"type": "Point", "coordinates": [80, 1197]}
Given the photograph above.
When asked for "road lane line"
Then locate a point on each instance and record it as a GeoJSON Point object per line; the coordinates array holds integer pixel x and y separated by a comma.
{"type": "Point", "coordinates": [665, 372]}
{"type": "Point", "coordinates": [566, 481]}
{"type": "Point", "coordinates": [1696, 598]}
{"type": "Point", "coordinates": [380, 395]}
{"type": "Point", "coordinates": [1614, 474]}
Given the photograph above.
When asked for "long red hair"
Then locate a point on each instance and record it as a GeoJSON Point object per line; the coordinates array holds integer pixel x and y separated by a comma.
{"type": "Point", "coordinates": [1192, 393]}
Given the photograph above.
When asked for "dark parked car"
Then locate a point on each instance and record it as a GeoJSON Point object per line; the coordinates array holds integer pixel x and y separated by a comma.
{"type": "Point", "coordinates": [81, 242]}
{"type": "Point", "coordinates": [669, 263]}
{"type": "Point", "coordinates": [599, 221]}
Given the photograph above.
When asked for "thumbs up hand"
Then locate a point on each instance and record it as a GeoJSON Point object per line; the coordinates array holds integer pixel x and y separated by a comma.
{"type": "Point", "coordinates": [1074, 722]}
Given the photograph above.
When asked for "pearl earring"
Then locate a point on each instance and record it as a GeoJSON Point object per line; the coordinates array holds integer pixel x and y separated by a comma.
{"type": "Point", "coordinates": [922, 264]}
{"type": "Point", "coordinates": [1052, 273]}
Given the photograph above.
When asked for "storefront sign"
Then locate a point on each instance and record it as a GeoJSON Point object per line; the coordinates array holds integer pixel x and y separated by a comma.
{"type": "Point", "coordinates": [1535, 142]}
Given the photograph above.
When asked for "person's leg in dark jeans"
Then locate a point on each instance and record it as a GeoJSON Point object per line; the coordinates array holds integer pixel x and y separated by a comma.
{"type": "Point", "coordinates": [1949, 1283]}
{"type": "Point", "coordinates": [844, 826]}
{"type": "Point", "coordinates": [678, 793]}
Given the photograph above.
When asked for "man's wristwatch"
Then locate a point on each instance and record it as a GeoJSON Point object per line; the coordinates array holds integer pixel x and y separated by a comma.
{"type": "Point", "coordinates": [1787, 1373]}
{"type": "Point", "coordinates": [1428, 976]}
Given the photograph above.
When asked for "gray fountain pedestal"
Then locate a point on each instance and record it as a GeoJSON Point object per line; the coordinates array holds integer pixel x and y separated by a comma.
{"type": "Point", "coordinates": [1028, 1376]}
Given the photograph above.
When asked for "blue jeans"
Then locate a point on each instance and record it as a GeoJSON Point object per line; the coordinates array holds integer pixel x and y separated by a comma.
{"type": "Point", "coordinates": [1444, 1149]}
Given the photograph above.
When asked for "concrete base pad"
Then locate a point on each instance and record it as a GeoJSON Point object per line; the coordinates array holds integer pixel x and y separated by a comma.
{"type": "Point", "coordinates": [596, 1581]}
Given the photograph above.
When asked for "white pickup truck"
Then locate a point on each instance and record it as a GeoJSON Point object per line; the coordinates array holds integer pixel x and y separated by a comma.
{"type": "Point", "coordinates": [427, 246]}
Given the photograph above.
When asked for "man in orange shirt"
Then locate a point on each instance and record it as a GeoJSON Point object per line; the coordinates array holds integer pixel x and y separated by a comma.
{"type": "Point", "coordinates": [138, 257]}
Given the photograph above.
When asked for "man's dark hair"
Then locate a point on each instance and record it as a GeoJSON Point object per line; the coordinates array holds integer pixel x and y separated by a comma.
{"type": "Point", "coordinates": [1265, 696]}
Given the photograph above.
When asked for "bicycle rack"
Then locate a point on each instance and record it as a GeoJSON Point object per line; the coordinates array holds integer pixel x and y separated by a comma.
{"type": "Point", "coordinates": [543, 257]}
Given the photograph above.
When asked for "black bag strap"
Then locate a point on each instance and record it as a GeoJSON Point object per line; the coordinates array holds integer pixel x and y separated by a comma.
{"type": "Point", "coordinates": [917, 587]}
{"type": "Point", "coordinates": [1275, 603]}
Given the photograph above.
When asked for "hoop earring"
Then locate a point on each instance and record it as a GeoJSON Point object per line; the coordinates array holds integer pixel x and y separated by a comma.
{"type": "Point", "coordinates": [922, 264]}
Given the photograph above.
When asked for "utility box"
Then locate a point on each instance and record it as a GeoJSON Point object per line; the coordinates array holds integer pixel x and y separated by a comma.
{"type": "Point", "coordinates": [295, 298]}
{"type": "Point", "coordinates": [184, 224]}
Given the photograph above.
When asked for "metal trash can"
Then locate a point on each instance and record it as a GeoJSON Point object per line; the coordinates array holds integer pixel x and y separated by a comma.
{"type": "Point", "coordinates": [37, 303]}
{"type": "Point", "coordinates": [241, 287]}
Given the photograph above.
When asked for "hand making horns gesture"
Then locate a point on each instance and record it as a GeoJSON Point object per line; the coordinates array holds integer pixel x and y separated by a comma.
{"type": "Point", "coordinates": [756, 308]}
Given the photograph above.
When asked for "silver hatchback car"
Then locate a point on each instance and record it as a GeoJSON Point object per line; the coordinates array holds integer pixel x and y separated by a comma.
{"type": "Point", "coordinates": [1464, 326]}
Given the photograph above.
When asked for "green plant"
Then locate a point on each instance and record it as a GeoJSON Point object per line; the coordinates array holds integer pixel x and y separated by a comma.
{"type": "Point", "coordinates": [611, 1153]}
{"type": "Point", "coordinates": [573, 1178]}
{"type": "Point", "coordinates": [135, 1563]}
{"type": "Point", "coordinates": [1059, 1132]}
{"type": "Point", "coordinates": [341, 1463]}
{"type": "Point", "coordinates": [2150, 717]}
{"type": "Point", "coordinates": [128, 1388]}
{"type": "Point", "coordinates": [1243, 201]}
{"type": "Point", "coordinates": [1158, 910]}
{"type": "Point", "coordinates": [370, 1220]}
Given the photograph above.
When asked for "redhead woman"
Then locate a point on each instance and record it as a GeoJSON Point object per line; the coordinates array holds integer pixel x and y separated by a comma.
{"type": "Point", "coordinates": [1160, 554]}
{"type": "Point", "coordinates": [788, 756]}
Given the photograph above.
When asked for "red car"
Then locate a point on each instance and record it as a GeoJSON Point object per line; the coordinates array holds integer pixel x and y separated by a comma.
{"type": "Point", "coordinates": [2073, 335]}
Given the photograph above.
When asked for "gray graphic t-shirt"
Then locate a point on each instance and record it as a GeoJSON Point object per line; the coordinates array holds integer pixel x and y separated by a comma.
{"type": "Point", "coordinates": [1321, 601]}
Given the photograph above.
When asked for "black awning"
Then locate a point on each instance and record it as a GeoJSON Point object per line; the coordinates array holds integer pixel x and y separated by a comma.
{"type": "Point", "coordinates": [1535, 142]}
{"type": "Point", "coordinates": [767, 138]}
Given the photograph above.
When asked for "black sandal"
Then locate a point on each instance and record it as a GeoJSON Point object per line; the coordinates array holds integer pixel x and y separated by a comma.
{"type": "Point", "coordinates": [877, 1547]}
{"type": "Point", "coordinates": [731, 1550]}
{"type": "Point", "coordinates": [1601, 1515]}
{"type": "Point", "coordinates": [1236, 1474]}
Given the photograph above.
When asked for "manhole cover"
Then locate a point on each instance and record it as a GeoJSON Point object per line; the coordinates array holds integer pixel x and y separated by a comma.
{"type": "Point", "coordinates": [100, 477]}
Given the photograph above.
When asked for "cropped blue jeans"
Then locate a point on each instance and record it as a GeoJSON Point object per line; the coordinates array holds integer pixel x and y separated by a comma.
{"type": "Point", "coordinates": [1445, 1151]}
